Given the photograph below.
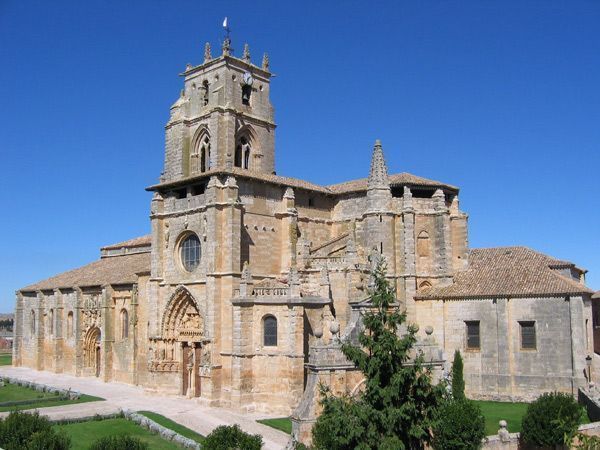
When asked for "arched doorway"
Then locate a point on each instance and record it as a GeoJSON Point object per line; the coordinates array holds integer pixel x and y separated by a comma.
{"type": "Point", "coordinates": [183, 332]}
{"type": "Point", "coordinates": [91, 350]}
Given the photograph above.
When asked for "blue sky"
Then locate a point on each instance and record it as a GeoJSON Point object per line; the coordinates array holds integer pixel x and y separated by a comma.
{"type": "Point", "coordinates": [499, 98]}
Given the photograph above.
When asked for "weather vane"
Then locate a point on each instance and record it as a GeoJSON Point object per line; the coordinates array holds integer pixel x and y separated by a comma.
{"type": "Point", "coordinates": [227, 50]}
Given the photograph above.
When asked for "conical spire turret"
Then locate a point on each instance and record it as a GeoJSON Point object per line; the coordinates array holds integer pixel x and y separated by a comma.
{"type": "Point", "coordinates": [378, 176]}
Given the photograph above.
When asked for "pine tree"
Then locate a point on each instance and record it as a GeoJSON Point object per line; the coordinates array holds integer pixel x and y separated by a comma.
{"type": "Point", "coordinates": [458, 382]}
{"type": "Point", "coordinates": [397, 408]}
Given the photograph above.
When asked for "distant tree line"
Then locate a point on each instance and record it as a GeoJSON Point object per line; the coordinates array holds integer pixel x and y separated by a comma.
{"type": "Point", "coordinates": [6, 324]}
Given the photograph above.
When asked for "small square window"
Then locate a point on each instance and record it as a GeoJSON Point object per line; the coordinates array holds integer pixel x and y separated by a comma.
{"type": "Point", "coordinates": [528, 338]}
{"type": "Point", "coordinates": [473, 338]}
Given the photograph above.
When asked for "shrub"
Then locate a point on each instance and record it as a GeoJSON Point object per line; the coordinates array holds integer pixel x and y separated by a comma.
{"type": "Point", "coordinates": [232, 438]}
{"type": "Point", "coordinates": [21, 431]}
{"type": "Point", "coordinates": [458, 382]}
{"type": "Point", "coordinates": [459, 425]}
{"type": "Point", "coordinates": [119, 442]}
{"type": "Point", "coordinates": [550, 418]}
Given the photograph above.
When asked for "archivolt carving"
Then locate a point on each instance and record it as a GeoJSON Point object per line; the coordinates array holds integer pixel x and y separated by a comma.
{"type": "Point", "coordinates": [182, 320]}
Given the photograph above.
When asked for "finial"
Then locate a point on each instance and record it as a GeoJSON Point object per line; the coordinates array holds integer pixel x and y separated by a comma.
{"type": "Point", "coordinates": [227, 47]}
{"type": "Point", "coordinates": [246, 55]}
{"type": "Point", "coordinates": [227, 41]}
{"type": "Point", "coordinates": [188, 66]}
{"type": "Point", "coordinates": [378, 176]}
{"type": "Point", "coordinates": [265, 62]}
{"type": "Point", "coordinates": [207, 55]}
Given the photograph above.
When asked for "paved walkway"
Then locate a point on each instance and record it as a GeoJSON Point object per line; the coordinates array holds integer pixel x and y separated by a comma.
{"type": "Point", "coordinates": [202, 419]}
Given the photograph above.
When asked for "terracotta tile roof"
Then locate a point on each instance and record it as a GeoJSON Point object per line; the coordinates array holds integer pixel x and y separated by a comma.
{"type": "Point", "coordinates": [141, 241]}
{"type": "Point", "coordinates": [341, 188]}
{"type": "Point", "coordinates": [596, 295]}
{"type": "Point", "coordinates": [507, 271]}
{"type": "Point", "coordinates": [397, 179]}
{"type": "Point", "coordinates": [114, 270]}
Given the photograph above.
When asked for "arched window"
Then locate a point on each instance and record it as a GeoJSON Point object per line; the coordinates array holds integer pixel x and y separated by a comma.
{"type": "Point", "coordinates": [270, 331]}
{"type": "Point", "coordinates": [243, 153]}
{"type": "Point", "coordinates": [200, 155]}
{"type": "Point", "coordinates": [246, 93]}
{"type": "Point", "coordinates": [423, 244]}
{"type": "Point", "coordinates": [51, 322]}
{"type": "Point", "coordinates": [205, 93]}
{"type": "Point", "coordinates": [70, 323]}
{"type": "Point", "coordinates": [32, 322]}
{"type": "Point", "coordinates": [190, 252]}
{"type": "Point", "coordinates": [124, 324]}
{"type": "Point", "coordinates": [424, 285]}
{"type": "Point", "coordinates": [204, 154]}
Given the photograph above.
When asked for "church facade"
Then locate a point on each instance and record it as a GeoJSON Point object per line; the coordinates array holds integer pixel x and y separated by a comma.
{"type": "Point", "coordinates": [246, 272]}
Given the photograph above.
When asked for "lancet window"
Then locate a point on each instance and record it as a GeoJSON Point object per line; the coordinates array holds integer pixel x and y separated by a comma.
{"type": "Point", "coordinates": [243, 153]}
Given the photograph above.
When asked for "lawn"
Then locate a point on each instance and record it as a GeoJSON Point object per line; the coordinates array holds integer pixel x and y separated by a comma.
{"type": "Point", "coordinates": [5, 359]}
{"type": "Point", "coordinates": [171, 425]}
{"type": "Point", "coordinates": [12, 392]}
{"type": "Point", "coordinates": [282, 424]}
{"type": "Point", "coordinates": [511, 412]}
{"type": "Point", "coordinates": [494, 412]}
{"type": "Point", "coordinates": [83, 434]}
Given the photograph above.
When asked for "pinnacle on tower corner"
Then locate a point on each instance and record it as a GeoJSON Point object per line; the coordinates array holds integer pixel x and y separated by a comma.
{"type": "Point", "coordinates": [378, 176]}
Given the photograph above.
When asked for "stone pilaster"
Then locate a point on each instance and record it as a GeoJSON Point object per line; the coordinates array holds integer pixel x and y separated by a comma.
{"type": "Point", "coordinates": [39, 332]}
{"type": "Point", "coordinates": [108, 332]}
{"type": "Point", "coordinates": [18, 331]}
{"type": "Point", "coordinates": [58, 339]}
{"type": "Point", "coordinates": [78, 330]}
{"type": "Point", "coordinates": [410, 274]}
{"type": "Point", "coordinates": [289, 227]}
{"type": "Point", "coordinates": [133, 330]}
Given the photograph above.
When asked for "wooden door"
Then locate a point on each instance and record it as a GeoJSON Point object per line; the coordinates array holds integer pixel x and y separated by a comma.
{"type": "Point", "coordinates": [185, 360]}
{"type": "Point", "coordinates": [197, 380]}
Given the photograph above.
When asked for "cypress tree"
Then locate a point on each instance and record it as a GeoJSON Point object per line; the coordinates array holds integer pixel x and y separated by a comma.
{"type": "Point", "coordinates": [458, 382]}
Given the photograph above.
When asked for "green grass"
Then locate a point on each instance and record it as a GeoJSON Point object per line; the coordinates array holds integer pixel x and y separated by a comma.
{"type": "Point", "coordinates": [83, 434]}
{"type": "Point", "coordinates": [282, 424]}
{"type": "Point", "coordinates": [12, 392]}
{"type": "Point", "coordinates": [171, 425]}
{"type": "Point", "coordinates": [494, 412]}
{"type": "Point", "coordinates": [46, 404]}
{"type": "Point", "coordinates": [6, 359]}
{"type": "Point", "coordinates": [511, 412]}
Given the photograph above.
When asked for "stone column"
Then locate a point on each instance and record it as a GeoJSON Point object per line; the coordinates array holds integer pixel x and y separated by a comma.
{"type": "Point", "coordinates": [289, 226]}
{"type": "Point", "coordinates": [77, 327]}
{"type": "Point", "coordinates": [39, 345]}
{"type": "Point", "coordinates": [108, 335]}
{"type": "Point", "coordinates": [58, 331]}
{"type": "Point", "coordinates": [133, 322]}
{"type": "Point", "coordinates": [18, 331]}
{"type": "Point", "coordinates": [410, 273]}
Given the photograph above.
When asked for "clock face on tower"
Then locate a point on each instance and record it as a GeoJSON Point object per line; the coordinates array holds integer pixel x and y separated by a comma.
{"type": "Point", "coordinates": [247, 77]}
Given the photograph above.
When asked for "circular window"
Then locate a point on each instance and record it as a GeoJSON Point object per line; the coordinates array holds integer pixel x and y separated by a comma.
{"type": "Point", "coordinates": [190, 252]}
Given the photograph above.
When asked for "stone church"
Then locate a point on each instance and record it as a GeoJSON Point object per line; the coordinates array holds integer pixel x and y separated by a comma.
{"type": "Point", "coordinates": [248, 280]}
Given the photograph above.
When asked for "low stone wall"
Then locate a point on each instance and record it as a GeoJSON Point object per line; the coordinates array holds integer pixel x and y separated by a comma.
{"type": "Point", "coordinates": [510, 441]}
{"type": "Point", "coordinates": [164, 432]}
{"type": "Point", "coordinates": [590, 398]}
{"type": "Point", "coordinates": [65, 393]}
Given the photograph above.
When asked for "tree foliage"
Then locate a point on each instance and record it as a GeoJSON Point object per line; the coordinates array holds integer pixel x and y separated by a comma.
{"type": "Point", "coordinates": [458, 381]}
{"type": "Point", "coordinates": [24, 431]}
{"type": "Point", "coordinates": [551, 418]}
{"type": "Point", "coordinates": [396, 409]}
{"type": "Point", "coordinates": [460, 425]}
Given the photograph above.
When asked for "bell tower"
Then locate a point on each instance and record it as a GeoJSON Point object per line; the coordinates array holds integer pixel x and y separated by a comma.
{"type": "Point", "coordinates": [223, 119]}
